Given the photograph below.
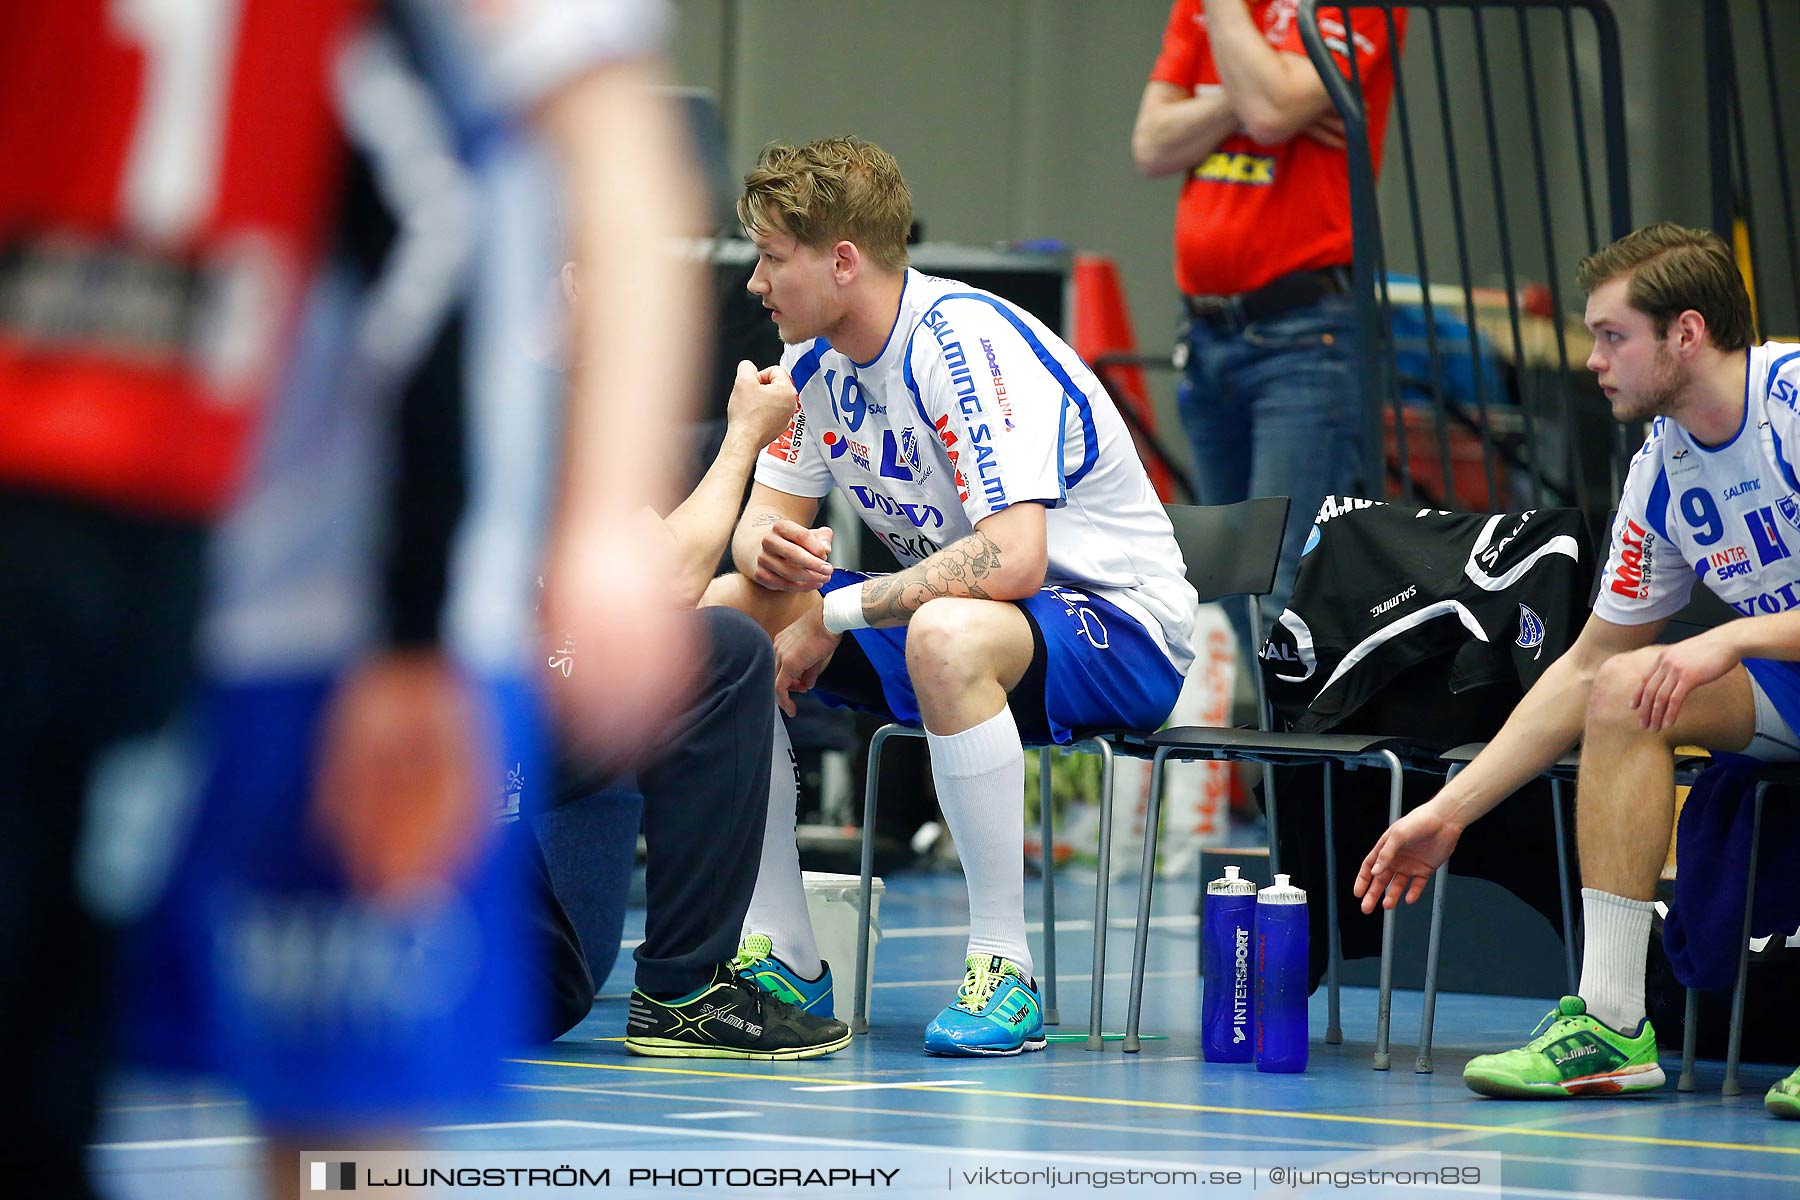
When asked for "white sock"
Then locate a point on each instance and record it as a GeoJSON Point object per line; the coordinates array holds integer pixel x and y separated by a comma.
{"type": "Point", "coordinates": [980, 776]}
{"type": "Point", "coordinates": [778, 905]}
{"type": "Point", "coordinates": [1615, 946]}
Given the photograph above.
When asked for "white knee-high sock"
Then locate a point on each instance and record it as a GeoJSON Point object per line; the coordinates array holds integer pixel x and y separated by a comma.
{"type": "Point", "coordinates": [980, 776]}
{"type": "Point", "coordinates": [1615, 944]}
{"type": "Point", "coordinates": [778, 906]}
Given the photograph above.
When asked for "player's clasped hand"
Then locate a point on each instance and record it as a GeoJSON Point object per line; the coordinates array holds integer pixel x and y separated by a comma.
{"type": "Point", "coordinates": [793, 558]}
{"type": "Point", "coordinates": [762, 402]}
{"type": "Point", "coordinates": [802, 651]}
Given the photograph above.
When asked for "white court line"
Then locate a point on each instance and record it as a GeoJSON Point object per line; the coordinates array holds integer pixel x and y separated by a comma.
{"type": "Point", "coordinates": [1167, 921]}
{"type": "Point", "coordinates": [880, 1087]}
{"type": "Point", "coordinates": [181, 1106]}
{"type": "Point", "coordinates": [719, 1115]}
{"type": "Point", "coordinates": [1082, 978]}
{"type": "Point", "coordinates": [907, 983]}
{"type": "Point", "coordinates": [1304, 1144]}
{"type": "Point", "coordinates": [1110, 1159]}
{"type": "Point", "coordinates": [1035, 1156]}
{"type": "Point", "coordinates": [178, 1144]}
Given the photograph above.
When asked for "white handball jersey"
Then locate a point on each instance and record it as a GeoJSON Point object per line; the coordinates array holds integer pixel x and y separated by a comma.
{"type": "Point", "coordinates": [974, 405]}
{"type": "Point", "coordinates": [1726, 515]}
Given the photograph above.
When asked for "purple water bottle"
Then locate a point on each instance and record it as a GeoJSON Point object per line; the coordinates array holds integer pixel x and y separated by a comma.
{"type": "Point", "coordinates": [1281, 977]}
{"type": "Point", "coordinates": [1226, 1001]}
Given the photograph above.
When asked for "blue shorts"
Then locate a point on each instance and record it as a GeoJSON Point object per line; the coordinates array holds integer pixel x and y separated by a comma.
{"type": "Point", "coordinates": [1778, 687]}
{"type": "Point", "coordinates": [1094, 667]}
{"type": "Point", "coordinates": [325, 1009]}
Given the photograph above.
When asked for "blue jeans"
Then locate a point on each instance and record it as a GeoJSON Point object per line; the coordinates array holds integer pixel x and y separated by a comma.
{"type": "Point", "coordinates": [1273, 408]}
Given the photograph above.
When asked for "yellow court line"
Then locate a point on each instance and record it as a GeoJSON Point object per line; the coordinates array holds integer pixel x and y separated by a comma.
{"type": "Point", "coordinates": [1174, 1106]}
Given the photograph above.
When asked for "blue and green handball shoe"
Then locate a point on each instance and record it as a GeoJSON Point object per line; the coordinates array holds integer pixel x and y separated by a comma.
{"type": "Point", "coordinates": [997, 1012]}
{"type": "Point", "coordinates": [1783, 1099]}
{"type": "Point", "coordinates": [1571, 1054]}
{"type": "Point", "coordinates": [756, 960]}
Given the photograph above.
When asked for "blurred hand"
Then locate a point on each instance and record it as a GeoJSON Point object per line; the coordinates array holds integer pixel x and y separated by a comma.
{"type": "Point", "coordinates": [622, 658]}
{"type": "Point", "coordinates": [404, 776]}
{"type": "Point", "coordinates": [1405, 857]}
{"type": "Point", "coordinates": [1327, 129]}
{"type": "Point", "coordinates": [793, 558]}
{"type": "Point", "coordinates": [802, 651]}
{"type": "Point", "coordinates": [762, 403]}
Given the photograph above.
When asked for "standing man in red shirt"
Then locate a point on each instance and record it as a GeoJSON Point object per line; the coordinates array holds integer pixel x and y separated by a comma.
{"type": "Point", "coordinates": [1269, 396]}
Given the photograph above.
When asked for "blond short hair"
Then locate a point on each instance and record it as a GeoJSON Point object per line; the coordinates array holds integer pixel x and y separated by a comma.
{"type": "Point", "coordinates": [1674, 268]}
{"type": "Point", "coordinates": [834, 189]}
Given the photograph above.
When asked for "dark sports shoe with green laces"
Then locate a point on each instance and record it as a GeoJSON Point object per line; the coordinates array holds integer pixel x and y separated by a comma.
{"type": "Point", "coordinates": [1784, 1098]}
{"type": "Point", "coordinates": [1570, 1054]}
{"type": "Point", "coordinates": [730, 1017]}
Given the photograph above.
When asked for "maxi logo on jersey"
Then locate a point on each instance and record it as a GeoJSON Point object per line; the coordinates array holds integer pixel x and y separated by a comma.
{"type": "Point", "coordinates": [968, 401]}
{"type": "Point", "coordinates": [787, 446]}
{"type": "Point", "coordinates": [1631, 574]}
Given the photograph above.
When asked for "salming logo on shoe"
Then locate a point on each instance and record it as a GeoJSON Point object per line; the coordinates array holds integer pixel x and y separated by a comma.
{"type": "Point", "coordinates": [732, 1019]}
{"type": "Point", "coordinates": [1571, 1056]}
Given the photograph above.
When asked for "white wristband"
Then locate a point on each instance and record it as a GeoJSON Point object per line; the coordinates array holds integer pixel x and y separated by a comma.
{"type": "Point", "coordinates": [844, 610]}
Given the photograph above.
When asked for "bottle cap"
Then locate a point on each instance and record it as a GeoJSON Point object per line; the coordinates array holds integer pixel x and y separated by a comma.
{"type": "Point", "coordinates": [1231, 885]}
{"type": "Point", "coordinates": [1281, 892]}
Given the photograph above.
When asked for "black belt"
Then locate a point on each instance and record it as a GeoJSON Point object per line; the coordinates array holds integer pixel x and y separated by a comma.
{"type": "Point", "coordinates": [1294, 290]}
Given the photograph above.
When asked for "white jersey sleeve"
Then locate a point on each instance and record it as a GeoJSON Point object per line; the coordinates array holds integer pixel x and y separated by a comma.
{"type": "Point", "coordinates": [998, 399]}
{"type": "Point", "coordinates": [529, 48]}
{"type": "Point", "coordinates": [1646, 576]}
{"type": "Point", "coordinates": [794, 462]}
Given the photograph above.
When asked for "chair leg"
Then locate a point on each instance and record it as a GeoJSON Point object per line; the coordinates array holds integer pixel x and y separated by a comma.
{"type": "Point", "coordinates": [1334, 1025]}
{"type": "Point", "coordinates": [1385, 1002]}
{"type": "Point", "coordinates": [1736, 1035]}
{"type": "Point", "coordinates": [1562, 886]}
{"type": "Point", "coordinates": [859, 1020]}
{"type": "Point", "coordinates": [1433, 945]}
{"type": "Point", "coordinates": [1690, 1040]}
{"type": "Point", "coordinates": [1102, 886]}
{"type": "Point", "coordinates": [1051, 1016]}
{"type": "Point", "coordinates": [1428, 1008]}
{"type": "Point", "coordinates": [1140, 939]}
{"type": "Point", "coordinates": [1269, 812]}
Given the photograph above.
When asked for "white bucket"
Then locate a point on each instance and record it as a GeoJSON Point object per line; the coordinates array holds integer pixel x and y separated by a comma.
{"type": "Point", "coordinates": [833, 903]}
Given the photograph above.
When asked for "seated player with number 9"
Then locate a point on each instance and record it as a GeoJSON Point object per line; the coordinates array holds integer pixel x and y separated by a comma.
{"type": "Point", "coordinates": [1710, 496]}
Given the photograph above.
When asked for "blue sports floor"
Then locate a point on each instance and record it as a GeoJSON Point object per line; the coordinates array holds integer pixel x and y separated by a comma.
{"type": "Point", "coordinates": [585, 1093]}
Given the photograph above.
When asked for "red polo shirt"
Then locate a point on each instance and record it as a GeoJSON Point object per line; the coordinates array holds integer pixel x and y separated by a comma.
{"type": "Point", "coordinates": [167, 183]}
{"type": "Point", "coordinates": [1250, 213]}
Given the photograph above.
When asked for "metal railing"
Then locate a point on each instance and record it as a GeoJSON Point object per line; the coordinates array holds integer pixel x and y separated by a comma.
{"type": "Point", "coordinates": [1751, 126]}
{"type": "Point", "coordinates": [1505, 162]}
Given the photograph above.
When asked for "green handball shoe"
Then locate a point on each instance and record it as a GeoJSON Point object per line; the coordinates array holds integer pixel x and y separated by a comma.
{"type": "Point", "coordinates": [1570, 1054]}
{"type": "Point", "coordinates": [756, 960]}
{"type": "Point", "coordinates": [1784, 1098]}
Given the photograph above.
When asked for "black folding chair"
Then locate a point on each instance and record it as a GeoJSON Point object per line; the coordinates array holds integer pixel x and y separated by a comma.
{"type": "Point", "coordinates": [1215, 544]}
{"type": "Point", "coordinates": [1229, 555]}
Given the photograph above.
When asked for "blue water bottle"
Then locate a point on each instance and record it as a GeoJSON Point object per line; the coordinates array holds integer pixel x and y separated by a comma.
{"type": "Point", "coordinates": [1281, 977]}
{"type": "Point", "coordinates": [1226, 1024]}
